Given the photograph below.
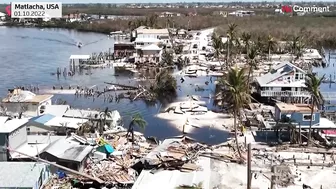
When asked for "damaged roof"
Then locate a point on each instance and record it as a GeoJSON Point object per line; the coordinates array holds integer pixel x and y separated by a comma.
{"type": "Point", "coordinates": [190, 170]}
{"type": "Point", "coordinates": [271, 76]}
{"type": "Point", "coordinates": [69, 150]}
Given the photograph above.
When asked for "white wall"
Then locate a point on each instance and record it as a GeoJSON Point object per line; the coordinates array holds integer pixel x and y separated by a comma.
{"type": "Point", "coordinates": [17, 137]}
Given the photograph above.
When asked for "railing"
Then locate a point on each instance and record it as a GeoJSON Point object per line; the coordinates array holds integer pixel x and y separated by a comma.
{"type": "Point", "coordinates": [329, 95]}
{"type": "Point", "coordinates": [285, 93]}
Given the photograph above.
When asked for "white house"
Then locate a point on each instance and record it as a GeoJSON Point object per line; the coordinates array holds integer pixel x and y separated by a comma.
{"type": "Point", "coordinates": [284, 80]}
{"type": "Point", "coordinates": [143, 42]}
{"type": "Point", "coordinates": [169, 14]}
{"type": "Point", "coordinates": [162, 34]}
{"type": "Point", "coordinates": [19, 100]}
{"type": "Point", "coordinates": [150, 53]}
{"type": "Point", "coordinates": [242, 13]}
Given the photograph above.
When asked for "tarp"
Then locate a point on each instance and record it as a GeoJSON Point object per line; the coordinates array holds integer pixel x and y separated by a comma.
{"type": "Point", "coordinates": [109, 149]}
{"type": "Point", "coordinates": [106, 148]}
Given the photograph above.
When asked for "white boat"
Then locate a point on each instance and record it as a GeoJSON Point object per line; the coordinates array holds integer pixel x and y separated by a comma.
{"type": "Point", "coordinates": [198, 109]}
{"type": "Point", "coordinates": [79, 44]}
{"type": "Point", "coordinates": [188, 105]}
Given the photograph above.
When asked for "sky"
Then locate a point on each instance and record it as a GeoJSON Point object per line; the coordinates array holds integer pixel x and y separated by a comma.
{"type": "Point", "coordinates": [148, 1]}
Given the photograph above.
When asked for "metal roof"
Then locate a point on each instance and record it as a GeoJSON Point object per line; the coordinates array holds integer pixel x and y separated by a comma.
{"type": "Point", "coordinates": [20, 174]}
{"type": "Point", "coordinates": [265, 79]}
{"type": "Point", "coordinates": [3, 119]}
{"type": "Point", "coordinates": [56, 110]}
{"type": "Point", "coordinates": [68, 149]}
{"type": "Point", "coordinates": [90, 114]}
{"type": "Point", "coordinates": [43, 118]}
{"type": "Point", "coordinates": [12, 124]}
{"type": "Point", "coordinates": [167, 179]}
{"type": "Point", "coordinates": [68, 122]}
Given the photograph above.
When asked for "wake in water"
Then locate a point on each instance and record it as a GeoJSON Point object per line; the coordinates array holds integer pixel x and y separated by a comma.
{"type": "Point", "coordinates": [47, 39]}
{"type": "Point", "coordinates": [93, 42]}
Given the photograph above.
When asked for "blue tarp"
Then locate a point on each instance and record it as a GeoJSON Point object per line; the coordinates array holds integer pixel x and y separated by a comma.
{"type": "Point", "coordinates": [43, 118]}
{"type": "Point", "coordinates": [61, 174]}
{"type": "Point", "coordinates": [109, 149]}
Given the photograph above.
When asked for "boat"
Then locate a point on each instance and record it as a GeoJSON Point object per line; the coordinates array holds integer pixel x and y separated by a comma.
{"type": "Point", "coordinates": [79, 44]}
{"type": "Point", "coordinates": [188, 105]}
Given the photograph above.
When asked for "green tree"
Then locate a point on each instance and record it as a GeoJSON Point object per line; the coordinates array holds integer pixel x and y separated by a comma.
{"type": "Point", "coordinates": [313, 87]}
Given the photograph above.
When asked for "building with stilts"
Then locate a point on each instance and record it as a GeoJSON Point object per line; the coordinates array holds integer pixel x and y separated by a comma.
{"type": "Point", "coordinates": [284, 82]}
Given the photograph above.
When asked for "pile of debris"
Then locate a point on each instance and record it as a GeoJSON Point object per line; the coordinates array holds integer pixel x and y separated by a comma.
{"type": "Point", "coordinates": [116, 168]}
{"type": "Point", "coordinates": [172, 154]}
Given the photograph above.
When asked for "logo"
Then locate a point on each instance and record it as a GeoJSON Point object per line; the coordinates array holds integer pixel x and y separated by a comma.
{"type": "Point", "coordinates": [286, 9]}
{"type": "Point", "coordinates": [301, 9]}
{"type": "Point", "coordinates": [8, 10]}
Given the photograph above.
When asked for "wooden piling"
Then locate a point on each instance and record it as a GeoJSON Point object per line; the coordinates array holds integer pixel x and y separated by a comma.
{"type": "Point", "coordinates": [249, 174]}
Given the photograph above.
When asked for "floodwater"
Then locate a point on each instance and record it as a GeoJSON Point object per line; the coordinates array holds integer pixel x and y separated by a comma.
{"type": "Point", "coordinates": [28, 56]}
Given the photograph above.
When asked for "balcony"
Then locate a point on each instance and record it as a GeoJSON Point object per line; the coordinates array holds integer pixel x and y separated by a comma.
{"type": "Point", "coordinates": [284, 94]}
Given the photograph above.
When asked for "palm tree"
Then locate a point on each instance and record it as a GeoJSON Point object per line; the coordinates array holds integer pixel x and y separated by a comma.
{"type": "Point", "coordinates": [231, 35]}
{"type": "Point", "coordinates": [271, 43]}
{"type": "Point", "coordinates": [259, 44]}
{"type": "Point", "coordinates": [217, 44]}
{"type": "Point", "coordinates": [295, 41]}
{"type": "Point", "coordinates": [251, 56]}
{"type": "Point", "coordinates": [313, 87]}
{"type": "Point", "coordinates": [299, 50]}
{"type": "Point", "coordinates": [246, 37]}
{"type": "Point", "coordinates": [103, 116]}
{"type": "Point", "coordinates": [137, 120]}
{"type": "Point", "coordinates": [235, 94]}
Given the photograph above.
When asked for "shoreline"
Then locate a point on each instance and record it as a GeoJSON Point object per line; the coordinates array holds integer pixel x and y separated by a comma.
{"type": "Point", "coordinates": [10, 25]}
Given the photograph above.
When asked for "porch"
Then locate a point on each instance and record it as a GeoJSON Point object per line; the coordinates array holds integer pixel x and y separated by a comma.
{"type": "Point", "coordinates": [284, 94]}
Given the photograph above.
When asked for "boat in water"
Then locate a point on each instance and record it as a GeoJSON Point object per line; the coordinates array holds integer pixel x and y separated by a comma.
{"type": "Point", "coordinates": [79, 44]}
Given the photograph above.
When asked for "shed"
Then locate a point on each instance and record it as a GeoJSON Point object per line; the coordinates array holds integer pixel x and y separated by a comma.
{"type": "Point", "coordinates": [68, 153]}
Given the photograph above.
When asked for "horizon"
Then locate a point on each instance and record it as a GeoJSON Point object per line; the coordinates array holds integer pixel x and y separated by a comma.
{"type": "Point", "coordinates": [164, 2]}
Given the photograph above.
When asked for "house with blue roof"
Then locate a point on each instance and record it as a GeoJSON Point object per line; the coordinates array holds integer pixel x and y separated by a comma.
{"type": "Point", "coordinates": [48, 123]}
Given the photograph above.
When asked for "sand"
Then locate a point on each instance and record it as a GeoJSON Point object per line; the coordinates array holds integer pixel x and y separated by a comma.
{"type": "Point", "coordinates": [210, 119]}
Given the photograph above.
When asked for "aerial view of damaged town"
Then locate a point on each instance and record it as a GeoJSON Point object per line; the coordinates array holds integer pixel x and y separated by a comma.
{"type": "Point", "coordinates": [167, 95]}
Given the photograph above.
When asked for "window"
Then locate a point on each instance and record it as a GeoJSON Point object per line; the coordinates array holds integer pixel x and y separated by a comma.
{"type": "Point", "coordinates": [296, 76]}
{"type": "Point", "coordinates": [306, 117]}
{"type": "Point", "coordinates": [301, 76]}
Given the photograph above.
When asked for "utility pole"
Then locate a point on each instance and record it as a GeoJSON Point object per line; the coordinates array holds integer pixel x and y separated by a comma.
{"type": "Point", "coordinates": [249, 174]}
